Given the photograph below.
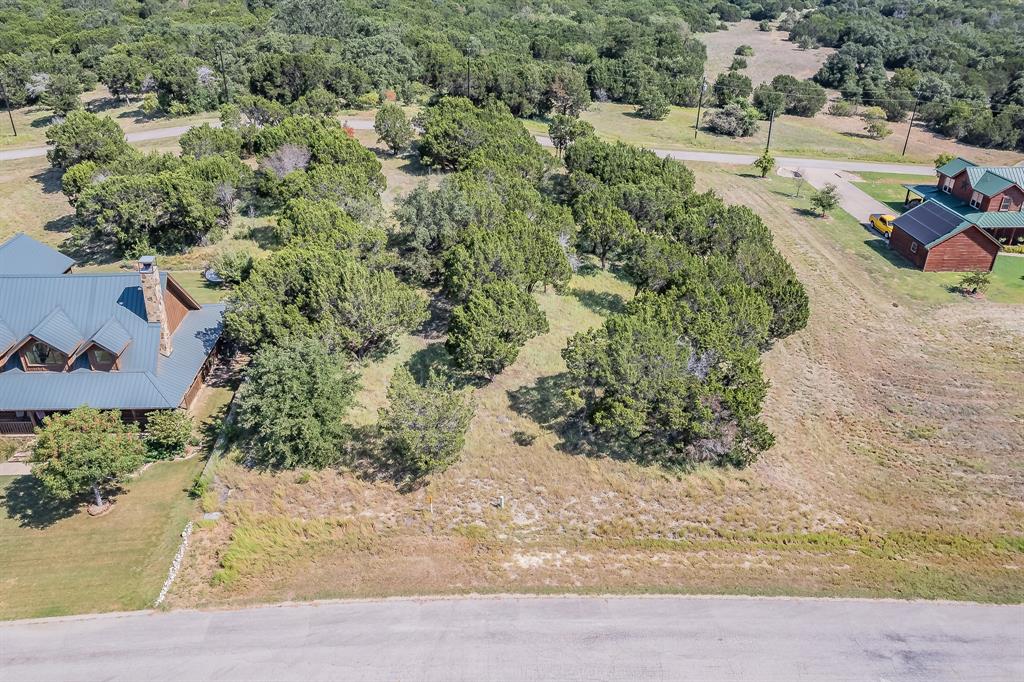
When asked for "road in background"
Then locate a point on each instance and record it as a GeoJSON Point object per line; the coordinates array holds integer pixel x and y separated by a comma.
{"type": "Point", "coordinates": [525, 638]}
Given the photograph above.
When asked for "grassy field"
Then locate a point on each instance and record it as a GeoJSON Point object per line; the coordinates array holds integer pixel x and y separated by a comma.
{"type": "Point", "coordinates": [57, 560]}
{"type": "Point", "coordinates": [821, 137]}
{"type": "Point", "coordinates": [888, 271]}
{"type": "Point", "coordinates": [895, 473]}
{"type": "Point", "coordinates": [888, 187]}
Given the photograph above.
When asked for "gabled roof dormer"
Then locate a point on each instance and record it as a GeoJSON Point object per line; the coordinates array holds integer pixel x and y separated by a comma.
{"type": "Point", "coordinates": [105, 346]}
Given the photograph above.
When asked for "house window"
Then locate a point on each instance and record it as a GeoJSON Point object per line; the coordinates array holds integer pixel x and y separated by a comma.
{"type": "Point", "coordinates": [39, 355]}
{"type": "Point", "coordinates": [913, 247]}
{"type": "Point", "coordinates": [947, 185]}
{"type": "Point", "coordinates": [1004, 205]}
{"type": "Point", "coordinates": [976, 200]}
{"type": "Point", "coordinates": [101, 359]}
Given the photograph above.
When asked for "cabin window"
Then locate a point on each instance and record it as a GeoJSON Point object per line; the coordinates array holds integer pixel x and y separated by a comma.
{"type": "Point", "coordinates": [39, 354]}
{"type": "Point", "coordinates": [947, 185]}
{"type": "Point", "coordinates": [913, 247]}
{"type": "Point", "coordinates": [1004, 205]}
{"type": "Point", "coordinates": [976, 200]}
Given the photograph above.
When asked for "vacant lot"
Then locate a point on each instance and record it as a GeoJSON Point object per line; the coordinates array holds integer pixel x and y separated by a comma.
{"type": "Point", "coordinates": [773, 54]}
{"type": "Point", "coordinates": [896, 472]}
{"type": "Point", "coordinates": [821, 137]}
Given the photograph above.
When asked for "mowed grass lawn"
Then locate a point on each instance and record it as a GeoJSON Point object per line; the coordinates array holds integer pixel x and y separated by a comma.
{"type": "Point", "coordinates": [57, 560]}
{"type": "Point", "coordinates": [887, 268]}
{"type": "Point", "coordinates": [888, 187]}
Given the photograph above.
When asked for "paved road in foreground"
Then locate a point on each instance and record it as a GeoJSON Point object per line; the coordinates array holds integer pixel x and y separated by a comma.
{"type": "Point", "coordinates": [508, 639]}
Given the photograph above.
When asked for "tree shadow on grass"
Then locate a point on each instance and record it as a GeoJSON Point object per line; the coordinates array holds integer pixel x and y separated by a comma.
{"type": "Point", "coordinates": [435, 357]}
{"type": "Point", "coordinates": [807, 213]}
{"type": "Point", "coordinates": [603, 303]}
{"type": "Point", "coordinates": [547, 403]}
{"type": "Point", "coordinates": [26, 500]}
{"type": "Point", "coordinates": [49, 180]}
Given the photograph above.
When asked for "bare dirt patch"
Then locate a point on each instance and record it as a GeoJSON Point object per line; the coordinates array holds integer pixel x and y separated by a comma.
{"type": "Point", "coordinates": [773, 53]}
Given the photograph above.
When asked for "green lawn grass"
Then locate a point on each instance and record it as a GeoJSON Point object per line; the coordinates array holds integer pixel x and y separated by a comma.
{"type": "Point", "coordinates": [890, 270]}
{"type": "Point", "coordinates": [196, 284]}
{"type": "Point", "coordinates": [56, 560]}
{"type": "Point", "coordinates": [888, 187]}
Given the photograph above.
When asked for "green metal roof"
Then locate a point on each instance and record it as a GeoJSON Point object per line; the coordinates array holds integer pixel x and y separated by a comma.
{"type": "Point", "coordinates": [989, 180]}
{"type": "Point", "coordinates": [984, 219]}
{"type": "Point", "coordinates": [953, 167]}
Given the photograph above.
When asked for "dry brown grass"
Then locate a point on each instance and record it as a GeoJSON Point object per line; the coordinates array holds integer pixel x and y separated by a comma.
{"type": "Point", "coordinates": [896, 472]}
{"type": "Point", "coordinates": [773, 54]}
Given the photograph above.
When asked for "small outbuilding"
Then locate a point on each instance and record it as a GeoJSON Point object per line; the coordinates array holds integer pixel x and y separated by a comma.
{"type": "Point", "coordinates": [936, 239]}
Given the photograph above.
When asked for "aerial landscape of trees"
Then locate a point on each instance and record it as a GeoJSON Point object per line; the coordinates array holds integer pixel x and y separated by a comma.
{"type": "Point", "coordinates": [673, 378]}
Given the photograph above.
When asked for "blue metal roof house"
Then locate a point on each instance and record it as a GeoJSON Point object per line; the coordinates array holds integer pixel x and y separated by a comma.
{"type": "Point", "coordinates": [133, 342]}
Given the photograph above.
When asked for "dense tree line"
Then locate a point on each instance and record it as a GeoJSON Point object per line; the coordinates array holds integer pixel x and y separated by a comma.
{"type": "Point", "coordinates": [962, 62]}
{"type": "Point", "coordinates": [532, 57]}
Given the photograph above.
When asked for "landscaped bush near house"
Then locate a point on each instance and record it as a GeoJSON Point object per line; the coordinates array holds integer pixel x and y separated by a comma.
{"type": "Point", "coordinates": [168, 433]}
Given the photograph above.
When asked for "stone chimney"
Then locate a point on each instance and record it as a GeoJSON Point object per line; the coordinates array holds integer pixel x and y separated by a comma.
{"type": "Point", "coordinates": [154, 299]}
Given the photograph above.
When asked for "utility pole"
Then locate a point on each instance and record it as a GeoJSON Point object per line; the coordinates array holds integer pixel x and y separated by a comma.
{"type": "Point", "coordinates": [910, 127]}
{"type": "Point", "coordinates": [7, 102]}
{"type": "Point", "coordinates": [771, 122]}
{"type": "Point", "coordinates": [700, 103]}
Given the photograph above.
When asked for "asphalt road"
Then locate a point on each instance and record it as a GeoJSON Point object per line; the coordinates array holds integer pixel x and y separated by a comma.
{"type": "Point", "coordinates": [682, 155]}
{"type": "Point", "coordinates": [509, 639]}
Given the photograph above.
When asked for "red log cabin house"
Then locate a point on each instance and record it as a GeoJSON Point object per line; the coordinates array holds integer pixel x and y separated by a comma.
{"type": "Point", "coordinates": [964, 219]}
{"type": "Point", "coordinates": [133, 342]}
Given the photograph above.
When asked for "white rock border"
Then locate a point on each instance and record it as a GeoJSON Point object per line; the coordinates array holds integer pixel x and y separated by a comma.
{"type": "Point", "coordinates": [176, 564]}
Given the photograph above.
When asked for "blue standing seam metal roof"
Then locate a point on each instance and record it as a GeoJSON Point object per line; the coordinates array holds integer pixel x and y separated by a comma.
{"type": "Point", "coordinates": [57, 330]}
{"type": "Point", "coordinates": [7, 338]}
{"type": "Point", "coordinates": [22, 255]}
{"type": "Point", "coordinates": [112, 336]}
{"type": "Point", "coordinates": [108, 307]}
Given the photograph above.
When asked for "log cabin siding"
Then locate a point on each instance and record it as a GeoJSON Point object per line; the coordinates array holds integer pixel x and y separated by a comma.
{"type": "Point", "coordinates": [969, 250]}
{"type": "Point", "coordinates": [175, 306]}
{"type": "Point", "coordinates": [901, 242]}
{"type": "Point", "coordinates": [1015, 194]}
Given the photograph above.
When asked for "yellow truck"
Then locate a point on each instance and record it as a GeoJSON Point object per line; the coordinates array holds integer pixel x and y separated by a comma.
{"type": "Point", "coordinates": [882, 222]}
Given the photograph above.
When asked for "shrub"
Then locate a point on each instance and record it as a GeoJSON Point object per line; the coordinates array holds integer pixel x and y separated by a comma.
{"type": "Point", "coordinates": [877, 129]}
{"type": "Point", "coordinates": [842, 107]}
{"type": "Point", "coordinates": [232, 266]}
{"type": "Point", "coordinates": [730, 87]}
{"type": "Point", "coordinates": [487, 332]}
{"type": "Point", "coordinates": [764, 25]}
{"type": "Point", "coordinates": [653, 104]}
{"type": "Point", "coordinates": [737, 64]}
{"type": "Point", "coordinates": [734, 119]}
{"type": "Point", "coordinates": [168, 432]}
{"type": "Point", "coordinates": [424, 427]}
{"type": "Point", "coordinates": [976, 282]}
{"type": "Point", "coordinates": [943, 158]}
{"type": "Point", "coordinates": [744, 51]}
{"type": "Point", "coordinates": [826, 199]}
